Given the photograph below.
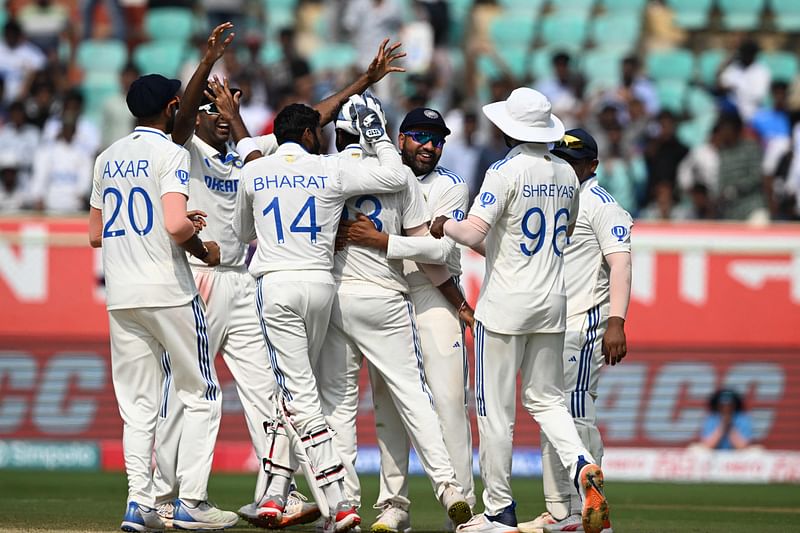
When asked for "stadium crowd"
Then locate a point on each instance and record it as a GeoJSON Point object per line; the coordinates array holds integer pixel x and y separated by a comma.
{"type": "Point", "coordinates": [694, 119]}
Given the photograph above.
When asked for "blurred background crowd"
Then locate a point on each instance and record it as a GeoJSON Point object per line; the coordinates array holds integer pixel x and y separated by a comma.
{"type": "Point", "coordinates": [693, 102]}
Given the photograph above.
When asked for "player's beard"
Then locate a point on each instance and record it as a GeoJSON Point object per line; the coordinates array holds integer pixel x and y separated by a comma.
{"type": "Point", "coordinates": [420, 168]}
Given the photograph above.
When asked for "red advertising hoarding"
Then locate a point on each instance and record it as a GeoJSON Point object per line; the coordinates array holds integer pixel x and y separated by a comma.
{"type": "Point", "coordinates": [712, 305]}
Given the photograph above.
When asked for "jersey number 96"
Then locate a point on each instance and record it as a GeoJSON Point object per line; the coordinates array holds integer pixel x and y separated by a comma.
{"type": "Point", "coordinates": [534, 227]}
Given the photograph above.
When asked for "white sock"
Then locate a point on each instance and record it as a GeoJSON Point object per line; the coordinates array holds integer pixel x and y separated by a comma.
{"type": "Point", "coordinates": [278, 486]}
{"type": "Point", "coordinates": [334, 493]}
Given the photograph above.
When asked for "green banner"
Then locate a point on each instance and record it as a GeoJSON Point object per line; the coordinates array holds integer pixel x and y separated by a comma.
{"type": "Point", "coordinates": [49, 455]}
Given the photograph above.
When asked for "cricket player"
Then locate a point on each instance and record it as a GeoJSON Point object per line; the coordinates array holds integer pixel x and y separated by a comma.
{"type": "Point", "coordinates": [229, 291]}
{"type": "Point", "coordinates": [138, 215]}
{"type": "Point", "coordinates": [597, 270]}
{"type": "Point", "coordinates": [526, 209]}
{"type": "Point", "coordinates": [292, 202]}
{"type": "Point", "coordinates": [421, 140]}
{"type": "Point", "coordinates": [372, 296]}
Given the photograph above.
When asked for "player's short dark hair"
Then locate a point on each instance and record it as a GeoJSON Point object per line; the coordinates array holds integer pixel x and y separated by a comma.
{"type": "Point", "coordinates": [293, 120]}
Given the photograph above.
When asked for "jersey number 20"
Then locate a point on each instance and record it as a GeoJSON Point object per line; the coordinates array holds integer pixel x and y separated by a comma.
{"type": "Point", "coordinates": [310, 206]}
{"type": "Point", "coordinates": [534, 226]}
{"type": "Point", "coordinates": [115, 209]}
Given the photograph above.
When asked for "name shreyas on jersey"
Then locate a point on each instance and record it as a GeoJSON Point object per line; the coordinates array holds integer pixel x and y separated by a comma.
{"type": "Point", "coordinates": [548, 189]}
{"type": "Point", "coordinates": [220, 185]}
{"type": "Point", "coordinates": [126, 169]}
{"type": "Point", "coordinates": [292, 182]}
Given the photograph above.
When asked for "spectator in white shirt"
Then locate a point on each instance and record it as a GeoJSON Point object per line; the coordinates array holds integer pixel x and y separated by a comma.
{"type": "Point", "coordinates": [87, 136]}
{"type": "Point", "coordinates": [746, 80]}
{"type": "Point", "coordinates": [62, 173]}
{"type": "Point", "coordinates": [12, 196]}
{"type": "Point", "coordinates": [19, 137]}
{"type": "Point", "coordinates": [19, 60]}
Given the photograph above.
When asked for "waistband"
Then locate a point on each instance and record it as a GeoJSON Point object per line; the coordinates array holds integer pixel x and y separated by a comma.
{"type": "Point", "coordinates": [314, 276]}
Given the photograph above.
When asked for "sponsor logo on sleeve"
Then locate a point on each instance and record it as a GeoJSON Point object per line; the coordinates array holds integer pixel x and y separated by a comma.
{"type": "Point", "coordinates": [182, 175]}
{"type": "Point", "coordinates": [487, 199]}
{"type": "Point", "coordinates": [619, 232]}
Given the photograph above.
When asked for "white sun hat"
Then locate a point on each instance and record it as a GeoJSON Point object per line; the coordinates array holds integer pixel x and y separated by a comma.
{"type": "Point", "coordinates": [526, 116]}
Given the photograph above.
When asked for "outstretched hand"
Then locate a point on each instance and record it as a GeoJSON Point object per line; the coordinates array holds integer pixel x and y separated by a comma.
{"type": "Point", "coordinates": [382, 64]}
{"type": "Point", "coordinates": [227, 102]}
{"type": "Point", "coordinates": [216, 44]}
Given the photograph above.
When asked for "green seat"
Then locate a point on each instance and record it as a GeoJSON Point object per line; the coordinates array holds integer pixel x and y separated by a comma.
{"type": "Point", "coordinates": [624, 6]}
{"type": "Point", "coordinates": [788, 12]}
{"type": "Point", "coordinates": [700, 103]}
{"type": "Point", "coordinates": [279, 4]}
{"type": "Point", "coordinates": [336, 56]}
{"type": "Point", "coordinates": [708, 64]}
{"type": "Point", "coordinates": [507, 30]}
{"type": "Point", "coordinates": [515, 58]}
{"type": "Point", "coordinates": [270, 52]}
{"type": "Point", "coordinates": [159, 57]}
{"type": "Point", "coordinates": [169, 24]}
{"type": "Point", "coordinates": [522, 7]}
{"type": "Point", "coordinates": [618, 30]}
{"type": "Point", "coordinates": [602, 67]}
{"type": "Point", "coordinates": [564, 31]}
{"type": "Point", "coordinates": [741, 14]}
{"type": "Point", "coordinates": [691, 14]}
{"type": "Point", "coordinates": [693, 132]}
{"type": "Point", "coordinates": [102, 55]}
{"type": "Point", "coordinates": [575, 8]}
{"type": "Point", "coordinates": [541, 63]}
{"type": "Point", "coordinates": [671, 94]}
{"type": "Point", "coordinates": [279, 18]}
{"type": "Point", "coordinates": [677, 64]}
{"type": "Point", "coordinates": [782, 65]}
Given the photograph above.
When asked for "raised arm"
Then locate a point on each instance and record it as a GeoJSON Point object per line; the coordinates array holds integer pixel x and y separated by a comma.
{"type": "Point", "coordinates": [193, 94]}
{"type": "Point", "coordinates": [381, 65]}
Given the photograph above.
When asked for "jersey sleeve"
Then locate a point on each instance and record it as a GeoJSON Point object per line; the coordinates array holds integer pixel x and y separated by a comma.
{"type": "Point", "coordinates": [244, 224]}
{"type": "Point", "coordinates": [173, 171]}
{"type": "Point", "coordinates": [491, 200]}
{"type": "Point", "coordinates": [612, 227]}
{"type": "Point", "coordinates": [96, 198]}
{"type": "Point", "coordinates": [453, 203]}
{"type": "Point", "coordinates": [267, 144]}
{"type": "Point", "coordinates": [354, 177]}
{"type": "Point", "coordinates": [414, 208]}
{"type": "Point", "coordinates": [423, 249]}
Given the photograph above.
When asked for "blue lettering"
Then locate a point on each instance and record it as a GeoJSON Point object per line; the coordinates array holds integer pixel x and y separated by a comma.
{"type": "Point", "coordinates": [299, 179]}
{"type": "Point", "coordinates": [107, 170]}
{"type": "Point", "coordinates": [273, 180]}
{"type": "Point", "coordinates": [258, 183]}
{"type": "Point", "coordinates": [285, 181]}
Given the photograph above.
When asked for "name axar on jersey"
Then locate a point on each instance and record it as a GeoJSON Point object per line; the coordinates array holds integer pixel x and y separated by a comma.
{"type": "Point", "coordinates": [292, 202]}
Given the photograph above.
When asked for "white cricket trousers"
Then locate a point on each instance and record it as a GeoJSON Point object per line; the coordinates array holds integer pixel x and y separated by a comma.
{"type": "Point", "coordinates": [294, 309]}
{"type": "Point", "coordinates": [537, 358]}
{"type": "Point", "coordinates": [137, 338]}
{"type": "Point", "coordinates": [379, 324]}
{"type": "Point", "coordinates": [444, 358]}
{"type": "Point", "coordinates": [234, 331]}
{"type": "Point", "coordinates": [583, 359]}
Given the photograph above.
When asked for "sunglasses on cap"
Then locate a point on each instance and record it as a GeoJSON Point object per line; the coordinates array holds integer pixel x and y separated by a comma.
{"type": "Point", "coordinates": [210, 108]}
{"type": "Point", "coordinates": [570, 142]}
{"type": "Point", "coordinates": [424, 137]}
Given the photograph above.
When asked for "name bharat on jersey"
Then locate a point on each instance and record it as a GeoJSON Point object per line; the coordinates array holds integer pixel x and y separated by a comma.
{"type": "Point", "coordinates": [293, 182]}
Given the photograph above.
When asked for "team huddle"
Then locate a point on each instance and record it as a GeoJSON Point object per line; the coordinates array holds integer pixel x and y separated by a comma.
{"type": "Point", "coordinates": [357, 257]}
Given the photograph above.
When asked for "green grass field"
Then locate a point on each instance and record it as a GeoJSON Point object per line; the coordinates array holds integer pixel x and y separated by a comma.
{"type": "Point", "coordinates": [94, 501]}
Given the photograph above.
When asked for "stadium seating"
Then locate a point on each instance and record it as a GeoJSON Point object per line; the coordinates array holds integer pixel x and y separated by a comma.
{"type": "Point", "coordinates": [700, 103]}
{"type": "Point", "coordinates": [691, 14]}
{"type": "Point", "coordinates": [564, 30]}
{"type": "Point", "coordinates": [333, 57]}
{"type": "Point", "coordinates": [161, 57]}
{"type": "Point", "coordinates": [521, 7]}
{"type": "Point", "coordinates": [575, 8]}
{"type": "Point", "coordinates": [708, 64]}
{"type": "Point", "coordinates": [624, 6]}
{"type": "Point", "coordinates": [171, 24]}
{"type": "Point", "coordinates": [671, 94]}
{"type": "Point", "coordinates": [516, 59]}
{"type": "Point", "coordinates": [741, 14]}
{"type": "Point", "coordinates": [102, 56]}
{"type": "Point", "coordinates": [602, 66]}
{"type": "Point", "coordinates": [541, 63]}
{"type": "Point", "coordinates": [675, 65]}
{"type": "Point", "coordinates": [782, 65]}
{"type": "Point", "coordinates": [787, 14]}
{"type": "Point", "coordinates": [270, 53]}
{"type": "Point", "coordinates": [512, 30]}
{"type": "Point", "coordinates": [616, 30]}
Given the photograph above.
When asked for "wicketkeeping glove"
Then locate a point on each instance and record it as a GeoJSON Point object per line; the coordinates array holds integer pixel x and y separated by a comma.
{"type": "Point", "coordinates": [371, 123]}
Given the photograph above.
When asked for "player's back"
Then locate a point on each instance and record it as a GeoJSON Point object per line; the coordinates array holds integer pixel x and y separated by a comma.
{"type": "Point", "coordinates": [390, 213]}
{"type": "Point", "coordinates": [297, 203]}
{"type": "Point", "coordinates": [534, 197]}
{"type": "Point", "coordinates": [143, 266]}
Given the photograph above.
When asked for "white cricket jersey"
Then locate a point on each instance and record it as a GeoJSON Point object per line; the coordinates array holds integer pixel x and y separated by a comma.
{"type": "Point", "coordinates": [529, 199]}
{"type": "Point", "coordinates": [212, 189]}
{"type": "Point", "coordinates": [292, 202]}
{"type": "Point", "coordinates": [143, 266]}
{"type": "Point", "coordinates": [446, 193]}
{"type": "Point", "coordinates": [603, 227]}
{"type": "Point", "coordinates": [391, 213]}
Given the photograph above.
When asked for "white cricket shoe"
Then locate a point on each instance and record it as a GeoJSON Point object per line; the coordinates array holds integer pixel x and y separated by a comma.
{"type": "Point", "coordinates": [204, 516]}
{"type": "Point", "coordinates": [537, 524]}
{"type": "Point", "coordinates": [140, 518]}
{"type": "Point", "coordinates": [271, 510]}
{"type": "Point", "coordinates": [298, 510]}
{"type": "Point", "coordinates": [344, 518]}
{"type": "Point", "coordinates": [573, 523]}
{"type": "Point", "coordinates": [480, 524]}
{"type": "Point", "coordinates": [165, 513]}
{"type": "Point", "coordinates": [393, 519]}
{"type": "Point", "coordinates": [457, 507]}
{"type": "Point", "coordinates": [589, 482]}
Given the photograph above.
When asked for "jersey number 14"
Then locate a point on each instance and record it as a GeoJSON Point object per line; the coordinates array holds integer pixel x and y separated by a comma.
{"type": "Point", "coordinates": [309, 207]}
